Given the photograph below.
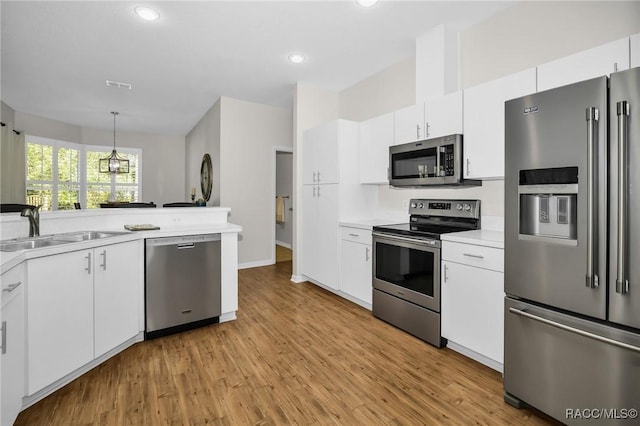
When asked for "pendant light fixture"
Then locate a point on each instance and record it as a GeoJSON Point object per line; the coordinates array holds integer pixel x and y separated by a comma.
{"type": "Point", "coordinates": [114, 163]}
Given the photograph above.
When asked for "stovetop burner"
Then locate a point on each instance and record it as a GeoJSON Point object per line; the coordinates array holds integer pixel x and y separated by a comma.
{"type": "Point", "coordinates": [431, 218]}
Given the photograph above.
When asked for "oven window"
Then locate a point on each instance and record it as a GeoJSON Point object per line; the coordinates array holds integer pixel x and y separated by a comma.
{"type": "Point", "coordinates": [408, 268]}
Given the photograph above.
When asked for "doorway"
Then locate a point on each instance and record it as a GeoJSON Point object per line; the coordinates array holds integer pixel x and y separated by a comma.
{"type": "Point", "coordinates": [284, 205]}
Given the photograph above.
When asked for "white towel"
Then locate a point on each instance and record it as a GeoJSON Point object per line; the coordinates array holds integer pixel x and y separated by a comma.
{"type": "Point", "coordinates": [279, 209]}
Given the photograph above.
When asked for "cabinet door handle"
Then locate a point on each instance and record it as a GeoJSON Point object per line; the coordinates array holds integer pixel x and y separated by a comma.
{"type": "Point", "coordinates": [427, 129]}
{"type": "Point", "coordinates": [366, 254]}
{"type": "Point", "coordinates": [418, 132]}
{"type": "Point", "coordinates": [468, 166]}
{"type": "Point", "coordinates": [446, 273]}
{"type": "Point", "coordinates": [318, 176]}
{"type": "Point", "coordinates": [4, 337]}
{"type": "Point", "coordinates": [475, 256]}
{"type": "Point", "coordinates": [11, 287]}
{"type": "Point", "coordinates": [318, 190]}
{"type": "Point", "coordinates": [104, 260]}
{"type": "Point", "coordinates": [353, 235]}
{"type": "Point", "coordinates": [88, 268]}
{"type": "Point", "coordinates": [314, 191]}
{"type": "Point", "coordinates": [314, 177]}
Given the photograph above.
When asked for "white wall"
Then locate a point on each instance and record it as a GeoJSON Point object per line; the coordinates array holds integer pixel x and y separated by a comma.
{"type": "Point", "coordinates": [390, 89]}
{"type": "Point", "coordinates": [34, 125]}
{"type": "Point", "coordinates": [7, 114]}
{"type": "Point", "coordinates": [162, 161]}
{"type": "Point", "coordinates": [202, 139]}
{"type": "Point", "coordinates": [248, 134]}
{"type": "Point", "coordinates": [284, 187]}
{"type": "Point", "coordinates": [162, 156]}
{"type": "Point", "coordinates": [531, 33]}
{"type": "Point", "coordinates": [311, 106]}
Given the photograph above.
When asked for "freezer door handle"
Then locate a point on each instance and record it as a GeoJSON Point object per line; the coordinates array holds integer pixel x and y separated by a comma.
{"type": "Point", "coordinates": [575, 330]}
{"type": "Point", "coordinates": [591, 280]}
{"type": "Point", "coordinates": [622, 284]}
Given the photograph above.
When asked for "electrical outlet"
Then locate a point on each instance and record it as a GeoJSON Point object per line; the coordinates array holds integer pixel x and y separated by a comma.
{"type": "Point", "coordinates": [405, 204]}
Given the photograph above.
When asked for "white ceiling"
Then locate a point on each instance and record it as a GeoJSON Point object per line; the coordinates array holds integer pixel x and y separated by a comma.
{"type": "Point", "coordinates": [57, 55]}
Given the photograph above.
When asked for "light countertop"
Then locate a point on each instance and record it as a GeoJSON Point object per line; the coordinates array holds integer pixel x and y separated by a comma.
{"type": "Point", "coordinates": [175, 224]}
{"type": "Point", "coordinates": [368, 223]}
{"type": "Point", "coordinates": [480, 237]}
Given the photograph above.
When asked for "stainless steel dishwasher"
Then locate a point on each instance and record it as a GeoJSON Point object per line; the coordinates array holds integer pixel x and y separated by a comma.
{"type": "Point", "coordinates": [182, 283]}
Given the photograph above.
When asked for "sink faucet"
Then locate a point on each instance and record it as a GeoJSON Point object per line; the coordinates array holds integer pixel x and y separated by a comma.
{"type": "Point", "coordinates": [34, 220]}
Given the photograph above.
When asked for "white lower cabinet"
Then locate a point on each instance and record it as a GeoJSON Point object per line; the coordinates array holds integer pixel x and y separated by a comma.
{"type": "Point", "coordinates": [59, 316]}
{"type": "Point", "coordinates": [116, 288]}
{"type": "Point", "coordinates": [79, 305]}
{"type": "Point", "coordinates": [355, 265]}
{"type": "Point", "coordinates": [13, 344]}
{"type": "Point", "coordinates": [472, 306]}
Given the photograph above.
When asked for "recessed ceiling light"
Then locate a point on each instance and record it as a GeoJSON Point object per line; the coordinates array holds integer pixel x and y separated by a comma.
{"type": "Point", "coordinates": [146, 13]}
{"type": "Point", "coordinates": [296, 58]}
{"type": "Point", "coordinates": [366, 3]}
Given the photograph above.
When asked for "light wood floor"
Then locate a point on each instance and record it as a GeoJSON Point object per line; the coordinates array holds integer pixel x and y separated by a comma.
{"type": "Point", "coordinates": [283, 254]}
{"type": "Point", "coordinates": [296, 355]}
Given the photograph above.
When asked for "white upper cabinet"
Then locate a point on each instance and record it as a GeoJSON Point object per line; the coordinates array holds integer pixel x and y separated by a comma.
{"type": "Point", "coordinates": [635, 51]}
{"type": "Point", "coordinates": [375, 137]}
{"type": "Point", "coordinates": [319, 161]}
{"type": "Point", "coordinates": [484, 122]}
{"type": "Point", "coordinates": [443, 115]}
{"type": "Point", "coordinates": [408, 124]}
{"type": "Point", "coordinates": [438, 116]}
{"type": "Point", "coordinates": [591, 63]}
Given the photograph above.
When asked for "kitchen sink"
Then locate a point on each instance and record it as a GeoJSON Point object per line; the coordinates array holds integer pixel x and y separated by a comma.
{"type": "Point", "coordinates": [55, 240]}
{"type": "Point", "coordinates": [86, 235]}
{"type": "Point", "coordinates": [28, 244]}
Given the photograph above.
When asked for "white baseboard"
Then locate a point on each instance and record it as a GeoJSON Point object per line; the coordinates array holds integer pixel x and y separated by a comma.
{"type": "Point", "coordinates": [255, 264]}
{"type": "Point", "coordinates": [228, 316]}
{"type": "Point", "coordinates": [283, 244]}
{"type": "Point", "coordinates": [298, 278]}
{"type": "Point", "coordinates": [475, 356]}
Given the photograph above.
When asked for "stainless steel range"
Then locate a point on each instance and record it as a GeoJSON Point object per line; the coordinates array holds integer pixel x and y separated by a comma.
{"type": "Point", "coordinates": [406, 264]}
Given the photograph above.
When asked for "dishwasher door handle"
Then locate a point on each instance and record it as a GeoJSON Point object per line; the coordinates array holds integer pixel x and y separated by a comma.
{"type": "Point", "coordinates": [186, 246]}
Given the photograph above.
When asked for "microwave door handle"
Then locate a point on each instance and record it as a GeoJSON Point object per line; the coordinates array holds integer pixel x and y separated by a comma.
{"type": "Point", "coordinates": [592, 135]}
{"type": "Point", "coordinates": [622, 284]}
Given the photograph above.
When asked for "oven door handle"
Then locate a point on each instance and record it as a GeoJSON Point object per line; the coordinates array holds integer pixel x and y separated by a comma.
{"type": "Point", "coordinates": [406, 239]}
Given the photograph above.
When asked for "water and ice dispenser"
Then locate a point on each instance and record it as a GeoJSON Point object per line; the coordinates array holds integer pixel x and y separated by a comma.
{"type": "Point", "coordinates": [548, 205]}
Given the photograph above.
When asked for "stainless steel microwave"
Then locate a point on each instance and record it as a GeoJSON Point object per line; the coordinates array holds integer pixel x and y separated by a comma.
{"type": "Point", "coordinates": [436, 161]}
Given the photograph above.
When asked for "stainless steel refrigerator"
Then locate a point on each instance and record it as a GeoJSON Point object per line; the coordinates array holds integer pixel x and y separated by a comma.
{"type": "Point", "coordinates": [572, 250]}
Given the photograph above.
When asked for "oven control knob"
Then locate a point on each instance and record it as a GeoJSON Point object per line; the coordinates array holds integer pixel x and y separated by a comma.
{"type": "Point", "coordinates": [467, 207]}
{"type": "Point", "coordinates": [420, 205]}
{"type": "Point", "coordinates": [459, 206]}
{"type": "Point", "coordinates": [413, 205]}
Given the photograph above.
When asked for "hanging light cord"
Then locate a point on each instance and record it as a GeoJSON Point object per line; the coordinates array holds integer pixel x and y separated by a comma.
{"type": "Point", "coordinates": [114, 128]}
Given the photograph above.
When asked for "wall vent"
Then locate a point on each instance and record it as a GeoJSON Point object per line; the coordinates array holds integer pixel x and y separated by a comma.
{"type": "Point", "coordinates": [118, 84]}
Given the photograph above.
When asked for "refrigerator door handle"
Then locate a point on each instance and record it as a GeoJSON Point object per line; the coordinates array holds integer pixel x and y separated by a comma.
{"type": "Point", "coordinates": [591, 280]}
{"type": "Point", "coordinates": [575, 330]}
{"type": "Point", "coordinates": [622, 284]}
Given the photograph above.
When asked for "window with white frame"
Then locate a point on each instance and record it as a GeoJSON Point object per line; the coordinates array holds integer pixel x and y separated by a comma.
{"type": "Point", "coordinates": [60, 174]}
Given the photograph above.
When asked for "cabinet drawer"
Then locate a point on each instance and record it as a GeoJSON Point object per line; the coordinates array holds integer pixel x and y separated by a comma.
{"type": "Point", "coordinates": [473, 255]}
{"type": "Point", "coordinates": [356, 235]}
